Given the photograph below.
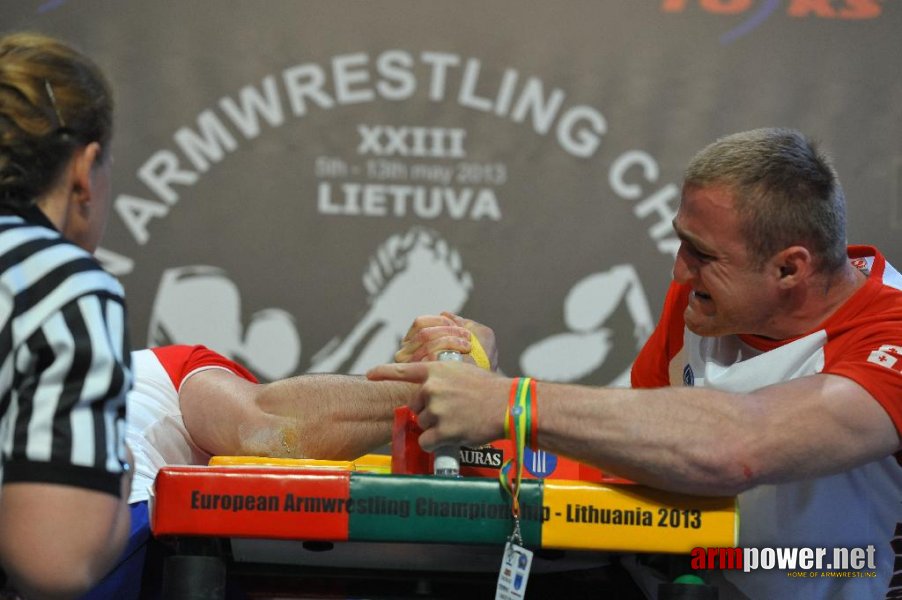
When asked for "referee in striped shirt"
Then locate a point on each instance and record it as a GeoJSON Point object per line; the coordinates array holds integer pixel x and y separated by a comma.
{"type": "Point", "coordinates": [64, 357]}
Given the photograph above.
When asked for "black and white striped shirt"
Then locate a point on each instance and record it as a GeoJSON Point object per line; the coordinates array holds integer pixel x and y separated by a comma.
{"type": "Point", "coordinates": [64, 360]}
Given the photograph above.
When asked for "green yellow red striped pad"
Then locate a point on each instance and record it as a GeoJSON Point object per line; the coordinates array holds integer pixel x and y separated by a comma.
{"type": "Point", "coordinates": [337, 505]}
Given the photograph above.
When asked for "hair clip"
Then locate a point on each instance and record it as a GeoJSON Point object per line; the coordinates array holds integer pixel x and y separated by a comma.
{"type": "Point", "coordinates": [56, 108]}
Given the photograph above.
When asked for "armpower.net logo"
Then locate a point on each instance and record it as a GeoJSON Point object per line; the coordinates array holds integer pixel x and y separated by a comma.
{"type": "Point", "coordinates": [796, 562]}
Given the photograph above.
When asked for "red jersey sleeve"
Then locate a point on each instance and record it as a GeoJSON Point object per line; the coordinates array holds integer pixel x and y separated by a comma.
{"type": "Point", "coordinates": [872, 357]}
{"type": "Point", "coordinates": [180, 361]}
{"type": "Point", "coordinates": [651, 367]}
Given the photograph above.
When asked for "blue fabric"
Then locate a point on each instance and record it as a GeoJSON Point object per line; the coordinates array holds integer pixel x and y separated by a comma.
{"type": "Point", "coordinates": [124, 581]}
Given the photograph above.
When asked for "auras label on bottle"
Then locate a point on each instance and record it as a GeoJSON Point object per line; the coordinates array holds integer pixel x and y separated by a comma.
{"type": "Point", "coordinates": [484, 456]}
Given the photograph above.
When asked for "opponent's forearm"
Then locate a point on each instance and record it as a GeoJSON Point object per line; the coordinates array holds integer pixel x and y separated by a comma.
{"type": "Point", "coordinates": [328, 416]}
{"type": "Point", "coordinates": [692, 442]}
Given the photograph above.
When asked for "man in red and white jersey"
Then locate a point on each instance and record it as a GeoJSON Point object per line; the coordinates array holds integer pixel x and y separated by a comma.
{"type": "Point", "coordinates": [774, 374]}
{"type": "Point", "coordinates": [189, 403]}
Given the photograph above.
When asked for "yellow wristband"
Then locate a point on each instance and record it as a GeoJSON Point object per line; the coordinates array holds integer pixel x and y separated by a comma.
{"type": "Point", "coordinates": [477, 352]}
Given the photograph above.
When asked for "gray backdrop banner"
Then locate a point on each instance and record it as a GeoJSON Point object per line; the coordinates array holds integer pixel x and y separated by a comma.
{"type": "Point", "coordinates": [296, 181]}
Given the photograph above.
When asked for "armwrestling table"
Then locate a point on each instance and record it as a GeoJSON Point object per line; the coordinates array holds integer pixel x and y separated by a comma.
{"type": "Point", "coordinates": [366, 532]}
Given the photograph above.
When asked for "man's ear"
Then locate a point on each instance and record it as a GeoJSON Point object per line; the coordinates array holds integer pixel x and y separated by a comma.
{"type": "Point", "coordinates": [84, 161]}
{"type": "Point", "coordinates": [793, 265]}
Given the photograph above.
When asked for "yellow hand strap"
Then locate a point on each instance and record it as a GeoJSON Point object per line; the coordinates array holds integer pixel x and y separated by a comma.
{"type": "Point", "coordinates": [478, 353]}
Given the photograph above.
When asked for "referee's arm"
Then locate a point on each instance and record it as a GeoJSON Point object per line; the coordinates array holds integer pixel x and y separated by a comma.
{"type": "Point", "coordinates": [64, 516]}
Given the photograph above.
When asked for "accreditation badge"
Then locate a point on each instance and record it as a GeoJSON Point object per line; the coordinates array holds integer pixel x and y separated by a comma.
{"type": "Point", "coordinates": [514, 573]}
